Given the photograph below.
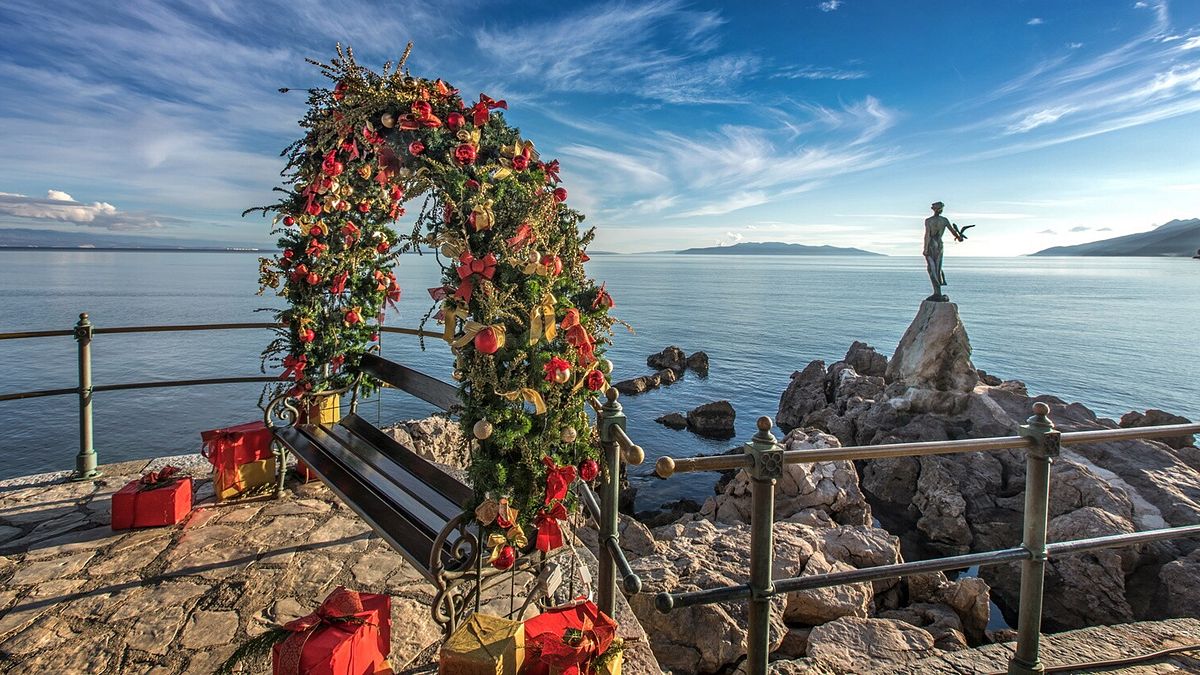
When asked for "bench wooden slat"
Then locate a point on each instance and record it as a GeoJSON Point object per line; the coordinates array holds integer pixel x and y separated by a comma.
{"type": "Point", "coordinates": [399, 475]}
{"type": "Point", "coordinates": [396, 527]}
{"type": "Point", "coordinates": [424, 387]}
{"type": "Point", "coordinates": [428, 520]}
{"type": "Point", "coordinates": [415, 464]}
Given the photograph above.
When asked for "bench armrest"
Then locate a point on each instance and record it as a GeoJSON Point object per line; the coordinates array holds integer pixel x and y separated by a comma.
{"type": "Point", "coordinates": [286, 408]}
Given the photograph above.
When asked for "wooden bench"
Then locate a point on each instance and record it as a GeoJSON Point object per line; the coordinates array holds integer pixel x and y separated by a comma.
{"type": "Point", "coordinates": [419, 508]}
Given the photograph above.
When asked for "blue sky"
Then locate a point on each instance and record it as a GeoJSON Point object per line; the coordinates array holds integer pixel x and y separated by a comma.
{"type": "Point", "coordinates": [678, 123]}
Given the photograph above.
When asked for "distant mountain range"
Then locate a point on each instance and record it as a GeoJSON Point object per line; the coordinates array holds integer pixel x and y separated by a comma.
{"type": "Point", "coordinates": [774, 248]}
{"type": "Point", "coordinates": [30, 238]}
{"type": "Point", "coordinates": [1178, 238]}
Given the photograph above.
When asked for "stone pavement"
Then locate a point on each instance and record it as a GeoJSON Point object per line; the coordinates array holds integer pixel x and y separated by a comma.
{"type": "Point", "coordinates": [77, 597]}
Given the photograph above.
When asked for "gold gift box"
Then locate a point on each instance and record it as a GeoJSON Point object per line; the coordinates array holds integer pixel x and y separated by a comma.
{"type": "Point", "coordinates": [249, 476]}
{"type": "Point", "coordinates": [484, 645]}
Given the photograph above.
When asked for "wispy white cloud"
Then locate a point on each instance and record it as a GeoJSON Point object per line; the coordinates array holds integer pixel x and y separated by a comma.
{"type": "Point", "coordinates": [58, 206]}
{"type": "Point", "coordinates": [830, 5]}
{"type": "Point", "coordinates": [818, 73]}
{"type": "Point", "coordinates": [1047, 231]}
{"type": "Point", "coordinates": [1035, 21]}
{"type": "Point", "coordinates": [1033, 120]}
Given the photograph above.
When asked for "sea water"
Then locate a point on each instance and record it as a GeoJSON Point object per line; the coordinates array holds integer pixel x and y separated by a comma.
{"type": "Point", "coordinates": [1116, 334]}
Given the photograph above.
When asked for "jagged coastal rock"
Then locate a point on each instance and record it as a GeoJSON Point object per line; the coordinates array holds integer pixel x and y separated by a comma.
{"type": "Point", "coordinates": [974, 501]}
{"type": "Point", "coordinates": [673, 420]}
{"type": "Point", "coordinates": [714, 420]}
{"type": "Point", "coordinates": [671, 364]}
{"type": "Point", "coordinates": [935, 352]}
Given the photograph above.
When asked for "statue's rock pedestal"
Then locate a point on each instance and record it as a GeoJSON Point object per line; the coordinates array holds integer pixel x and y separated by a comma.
{"type": "Point", "coordinates": [935, 352]}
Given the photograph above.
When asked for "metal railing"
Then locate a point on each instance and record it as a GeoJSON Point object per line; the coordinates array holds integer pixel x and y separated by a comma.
{"type": "Point", "coordinates": [610, 421]}
{"type": "Point", "coordinates": [83, 332]}
{"type": "Point", "coordinates": [763, 458]}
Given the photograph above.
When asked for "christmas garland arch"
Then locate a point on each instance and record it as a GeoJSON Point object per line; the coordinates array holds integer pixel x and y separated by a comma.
{"type": "Point", "coordinates": [526, 325]}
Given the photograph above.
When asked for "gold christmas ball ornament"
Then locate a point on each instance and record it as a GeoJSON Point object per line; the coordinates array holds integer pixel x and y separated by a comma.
{"type": "Point", "coordinates": [533, 257]}
{"type": "Point", "coordinates": [388, 120]}
{"type": "Point", "coordinates": [606, 366]}
{"type": "Point", "coordinates": [345, 191]}
{"type": "Point", "coordinates": [450, 251]}
{"type": "Point", "coordinates": [562, 376]}
{"type": "Point", "coordinates": [482, 429]}
{"type": "Point", "coordinates": [569, 435]}
{"type": "Point", "coordinates": [457, 375]}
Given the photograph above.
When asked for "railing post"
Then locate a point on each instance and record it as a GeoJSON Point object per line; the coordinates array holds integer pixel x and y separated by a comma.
{"type": "Point", "coordinates": [85, 461]}
{"type": "Point", "coordinates": [1041, 430]}
{"type": "Point", "coordinates": [767, 469]}
{"type": "Point", "coordinates": [610, 417]}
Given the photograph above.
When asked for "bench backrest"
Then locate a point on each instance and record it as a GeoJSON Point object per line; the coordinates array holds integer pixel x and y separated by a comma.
{"type": "Point", "coordinates": [424, 387]}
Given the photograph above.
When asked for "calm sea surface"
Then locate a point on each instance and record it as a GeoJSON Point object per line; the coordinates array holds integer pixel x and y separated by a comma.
{"type": "Point", "coordinates": [1115, 334]}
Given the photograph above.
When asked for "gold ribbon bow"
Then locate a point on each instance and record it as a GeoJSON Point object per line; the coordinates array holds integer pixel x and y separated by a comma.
{"type": "Point", "coordinates": [542, 322]}
{"type": "Point", "coordinates": [515, 537]}
{"type": "Point", "coordinates": [451, 313]}
{"type": "Point", "coordinates": [530, 395]}
{"type": "Point", "coordinates": [473, 328]}
{"type": "Point", "coordinates": [482, 216]}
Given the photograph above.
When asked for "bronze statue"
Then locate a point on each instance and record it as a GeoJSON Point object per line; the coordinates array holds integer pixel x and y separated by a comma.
{"type": "Point", "coordinates": [935, 225]}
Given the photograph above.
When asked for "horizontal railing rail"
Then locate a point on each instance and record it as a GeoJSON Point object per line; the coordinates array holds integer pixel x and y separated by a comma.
{"type": "Point", "coordinates": [84, 331]}
{"type": "Point", "coordinates": [764, 458]}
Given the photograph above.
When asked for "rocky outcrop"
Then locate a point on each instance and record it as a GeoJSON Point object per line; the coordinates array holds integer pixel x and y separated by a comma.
{"type": "Point", "coordinates": [696, 555]}
{"type": "Point", "coordinates": [855, 644]}
{"type": "Point", "coordinates": [673, 421]}
{"type": "Point", "coordinates": [714, 420]}
{"type": "Point", "coordinates": [437, 439]}
{"type": "Point", "coordinates": [698, 363]}
{"type": "Point", "coordinates": [671, 358]}
{"type": "Point", "coordinates": [934, 352]}
{"type": "Point", "coordinates": [974, 501]}
{"type": "Point", "coordinates": [1181, 583]}
{"type": "Point", "coordinates": [830, 488]}
{"type": "Point", "coordinates": [863, 358]}
{"type": "Point", "coordinates": [1153, 418]}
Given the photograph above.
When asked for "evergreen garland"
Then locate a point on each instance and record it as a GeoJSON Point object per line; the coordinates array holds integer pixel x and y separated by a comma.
{"type": "Point", "coordinates": [526, 324]}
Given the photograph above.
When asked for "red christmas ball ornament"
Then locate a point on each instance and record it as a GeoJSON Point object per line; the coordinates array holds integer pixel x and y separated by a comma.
{"type": "Point", "coordinates": [374, 337]}
{"type": "Point", "coordinates": [397, 193]}
{"type": "Point", "coordinates": [464, 154]}
{"type": "Point", "coordinates": [505, 559]}
{"type": "Point", "coordinates": [594, 380]}
{"type": "Point", "coordinates": [289, 253]}
{"type": "Point", "coordinates": [415, 148]}
{"type": "Point", "coordinates": [315, 231]}
{"type": "Point", "coordinates": [520, 163]}
{"type": "Point", "coordinates": [339, 91]}
{"type": "Point", "coordinates": [313, 278]}
{"type": "Point", "coordinates": [553, 264]}
{"type": "Point", "coordinates": [588, 470]}
{"type": "Point", "coordinates": [288, 220]}
{"type": "Point", "coordinates": [307, 335]}
{"type": "Point", "coordinates": [364, 207]}
{"type": "Point", "coordinates": [383, 246]}
{"type": "Point", "coordinates": [313, 209]}
{"type": "Point", "coordinates": [352, 317]}
{"type": "Point", "coordinates": [488, 340]}
{"type": "Point", "coordinates": [560, 194]}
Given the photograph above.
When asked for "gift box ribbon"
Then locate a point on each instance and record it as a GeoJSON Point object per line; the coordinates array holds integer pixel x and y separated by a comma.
{"type": "Point", "coordinates": [161, 478]}
{"type": "Point", "coordinates": [340, 611]}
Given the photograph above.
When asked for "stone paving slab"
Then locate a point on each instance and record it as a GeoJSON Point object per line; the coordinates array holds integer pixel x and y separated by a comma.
{"type": "Point", "coordinates": [77, 597]}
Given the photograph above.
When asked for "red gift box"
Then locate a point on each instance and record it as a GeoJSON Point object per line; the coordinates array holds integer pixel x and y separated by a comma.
{"type": "Point", "coordinates": [544, 636]}
{"type": "Point", "coordinates": [229, 448]}
{"type": "Point", "coordinates": [146, 504]}
{"type": "Point", "coordinates": [349, 634]}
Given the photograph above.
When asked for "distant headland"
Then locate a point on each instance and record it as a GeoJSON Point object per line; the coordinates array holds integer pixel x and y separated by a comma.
{"type": "Point", "coordinates": [1176, 239]}
{"type": "Point", "coordinates": [774, 248]}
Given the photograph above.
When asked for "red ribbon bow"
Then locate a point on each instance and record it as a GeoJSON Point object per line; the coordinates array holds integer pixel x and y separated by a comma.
{"type": "Point", "coordinates": [551, 170]}
{"type": "Point", "coordinates": [339, 611]}
{"type": "Point", "coordinates": [571, 637]}
{"type": "Point", "coordinates": [549, 532]}
{"type": "Point", "coordinates": [293, 366]}
{"type": "Point", "coordinates": [558, 479]}
{"type": "Point", "coordinates": [523, 232]}
{"type": "Point", "coordinates": [479, 112]}
{"type": "Point", "coordinates": [160, 478]}
{"type": "Point", "coordinates": [471, 268]}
